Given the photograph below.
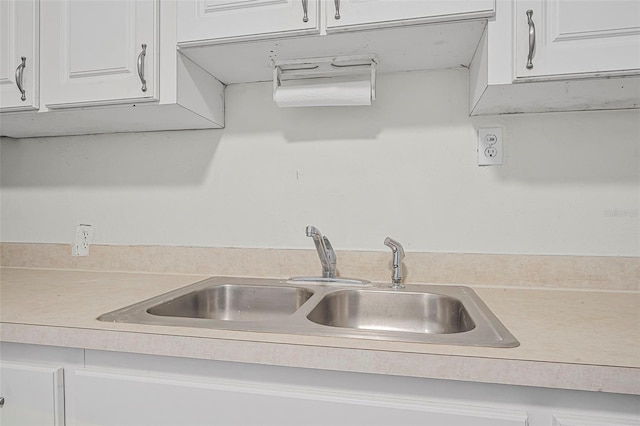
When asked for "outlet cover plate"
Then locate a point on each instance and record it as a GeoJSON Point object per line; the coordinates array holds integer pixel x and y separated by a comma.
{"type": "Point", "coordinates": [83, 238]}
{"type": "Point", "coordinates": [490, 146]}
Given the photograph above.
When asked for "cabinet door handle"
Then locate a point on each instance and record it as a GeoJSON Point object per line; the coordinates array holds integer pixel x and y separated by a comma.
{"type": "Point", "coordinates": [20, 76]}
{"type": "Point", "coordinates": [532, 39]}
{"type": "Point", "coordinates": [141, 57]}
{"type": "Point", "coordinates": [337, 3]}
{"type": "Point", "coordinates": [1, 401]}
{"type": "Point", "coordinates": [305, 6]}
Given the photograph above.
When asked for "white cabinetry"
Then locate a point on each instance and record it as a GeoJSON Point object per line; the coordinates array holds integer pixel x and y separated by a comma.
{"type": "Point", "coordinates": [92, 51]}
{"type": "Point", "coordinates": [212, 22]}
{"type": "Point", "coordinates": [152, 398]}
{"type": "Point", "coordinates": [31, 394]}
{"type": "Point", "coordinates": [573, 52]}
{"type": "Point", "coordinates": [124, 388]}
{"type": "Point", "coordinates": [19, 39]}
{"type": "Point", "coordinates": [577, 37]}
{"type": "Point", "coordinates": [90, 82]}
{"type": "Point", "coordinates": [358, 14]}
{"type": "Point", "coordinates": [236, 40]}
{"type": "Point", "coordinates": [562, 419]}
{"type": "Point", "coordinates": [246, 19]}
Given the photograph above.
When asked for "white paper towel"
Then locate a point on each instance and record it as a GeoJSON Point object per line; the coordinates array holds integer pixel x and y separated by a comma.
{"type": "Point", "coordinates": [324, 94]}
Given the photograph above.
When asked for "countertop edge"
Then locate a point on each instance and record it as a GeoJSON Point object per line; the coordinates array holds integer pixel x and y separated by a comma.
{"type": "Point", "coordinates": [597, 378]}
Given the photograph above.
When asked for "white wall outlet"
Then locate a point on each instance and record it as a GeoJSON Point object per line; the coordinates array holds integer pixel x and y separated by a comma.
{"type": "Point", "coordinates": [84, 237]}
{"type": "Point", "coordinates": [489, 146]}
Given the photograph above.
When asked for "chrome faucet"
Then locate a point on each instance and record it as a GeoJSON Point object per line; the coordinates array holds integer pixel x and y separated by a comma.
{"type": "Point", "coordinates": [398, 255]}
{"type": "Point", "coordinates": [325, 252]}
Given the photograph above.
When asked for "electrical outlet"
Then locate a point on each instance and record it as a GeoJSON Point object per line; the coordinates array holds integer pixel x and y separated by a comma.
{"type": "Point", "coordinates": [84, 237]}
{"type": "Point", "coordinates": [490, 146]}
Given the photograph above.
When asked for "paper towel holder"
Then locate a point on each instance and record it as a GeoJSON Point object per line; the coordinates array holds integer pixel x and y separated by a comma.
{"type": "Point", "coordinates": [333, 67]}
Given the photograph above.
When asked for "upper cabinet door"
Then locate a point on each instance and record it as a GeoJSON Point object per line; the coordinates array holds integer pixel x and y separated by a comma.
{"type": "Point", "coordinates": [364, 14]}
{"type": "Point", "coordinates": [99, 52]}
{"type": "Point", "coordinates": [19, 39]}
{"type": "Point", "coordinates": [577, 37]}
{"type": "Point", "coordinates": [236, 20]}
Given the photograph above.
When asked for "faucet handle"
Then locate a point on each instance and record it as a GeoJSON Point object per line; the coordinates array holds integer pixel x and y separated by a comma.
{"type": "Point", "coordinates": [331, 254]}
{"type": "Point", "coordinates": [325, 251]}
{"type": "Point", "coordinates": [398, 255]}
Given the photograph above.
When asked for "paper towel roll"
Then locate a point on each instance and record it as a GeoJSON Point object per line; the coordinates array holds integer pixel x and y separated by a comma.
{"type": "Point", "coordinates": [325, 94]}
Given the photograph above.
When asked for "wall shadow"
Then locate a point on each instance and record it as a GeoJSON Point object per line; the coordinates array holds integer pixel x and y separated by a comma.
{"type": "Point", "coordinates": [125, 159]}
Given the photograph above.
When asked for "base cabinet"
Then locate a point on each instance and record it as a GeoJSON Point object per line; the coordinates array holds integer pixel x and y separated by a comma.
{"type": "Point", "coordinates": [136, 398]}
{"type": "Point", "coordinates": [31, 395]}
{"type": "Point", "coordinates": [114, 388]}
{"type": "Point", "coordinates": [581, 420]}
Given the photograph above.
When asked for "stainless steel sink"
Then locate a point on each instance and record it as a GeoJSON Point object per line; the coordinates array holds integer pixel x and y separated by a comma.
{"type": "Point", "coordinates": [231, 302]}
{"type": "Point", "coordinates": [450, 315]}
{"type": "Point", "coordinates": [393, 311]}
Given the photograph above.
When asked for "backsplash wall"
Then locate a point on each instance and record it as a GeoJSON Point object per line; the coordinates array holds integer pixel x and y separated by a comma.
{"type": "Point", "coordinates": [405, 167]}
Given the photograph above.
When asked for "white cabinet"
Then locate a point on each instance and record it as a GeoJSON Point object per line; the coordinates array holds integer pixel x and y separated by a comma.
{"type": "Point", "coordinates": [19, 39]}
{"type": "Point", "coordinates": [581, 62]}
{"type": "Point", "coordinates": [115, 388]}
{"type": "Point", "coordinates": [236, 40]}
{"type": "Point", "coordinates": [358, 14]}
{"type": "Point", "coordinates": [209, 21]}
{"type": "Point", "coordinates": [92, 70]}
{"type": "Point", "coordinates": [92, 51]}
{"type": "Point", "coordinates": [137, 397]}
{"type": "Point", "coordinates": [31, 394]}
{"type": "Point", "coordinates": [576, 37]}
{"type": "Point", "coordinates": [246, 19]}
{"type": "Point", "coordinates": [564, 419]}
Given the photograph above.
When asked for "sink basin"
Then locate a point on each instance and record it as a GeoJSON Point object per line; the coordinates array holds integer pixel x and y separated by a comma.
{"type": "Point", "coordinates": [235, 303]}
{"type": "Point", "coordinates": [393, 311]}
{"type": "Point", "coordinates": [220, 302]}
{"type": "Point", "coordinates": [351, 309]}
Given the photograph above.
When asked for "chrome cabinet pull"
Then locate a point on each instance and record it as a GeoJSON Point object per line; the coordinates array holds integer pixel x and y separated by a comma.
{"type": "Point", "coordinates": [20, 76]}
{"type": "Point", "coordinates": [1, 401]}
{"type": "Point", "coordinates": [532, 39]}
{"type": "Point", "coordinates": [337, 3]}
{"type": "Point", "coordinates": [141, 57]}
{"type": "Point", "coordinates": [305, 6]}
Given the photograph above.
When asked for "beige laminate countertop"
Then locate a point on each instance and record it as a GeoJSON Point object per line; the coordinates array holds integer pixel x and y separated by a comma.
{"type": "Point", "coordinates": [570, 339]}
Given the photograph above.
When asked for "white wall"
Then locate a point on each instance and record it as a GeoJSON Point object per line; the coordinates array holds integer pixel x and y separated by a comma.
{"type": "Point", "coordinates": [405, 167]}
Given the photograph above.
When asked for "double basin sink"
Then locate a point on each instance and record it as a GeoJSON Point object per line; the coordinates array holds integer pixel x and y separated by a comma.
{"type": "Point", "coordinates": [441, 314]}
